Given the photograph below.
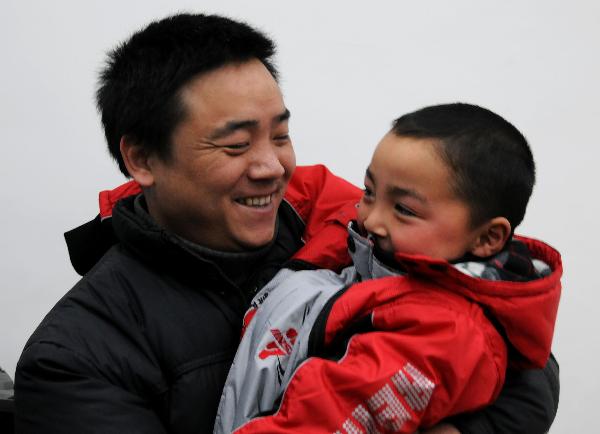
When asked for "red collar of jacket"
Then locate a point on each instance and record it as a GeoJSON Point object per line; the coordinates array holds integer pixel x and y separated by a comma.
{"type": "Point", "coordinates": [525, 310]}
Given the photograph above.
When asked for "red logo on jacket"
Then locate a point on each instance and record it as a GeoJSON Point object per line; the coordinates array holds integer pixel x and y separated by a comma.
{"type": "Point", "coordinates": [281, 346]}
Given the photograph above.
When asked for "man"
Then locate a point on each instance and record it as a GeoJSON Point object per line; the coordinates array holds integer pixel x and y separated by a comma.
{"type": "Point", "coordinates": [192, 111]}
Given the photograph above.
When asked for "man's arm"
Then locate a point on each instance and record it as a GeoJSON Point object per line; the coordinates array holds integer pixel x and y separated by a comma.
{"type": "Point", "coordinates": [527, 404]}
{"type": "Point", "coordinates": [57, 391]}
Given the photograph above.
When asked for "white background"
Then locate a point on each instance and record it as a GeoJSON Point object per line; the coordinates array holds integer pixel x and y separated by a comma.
{"type": "Point", "coordinates": [347, 70]}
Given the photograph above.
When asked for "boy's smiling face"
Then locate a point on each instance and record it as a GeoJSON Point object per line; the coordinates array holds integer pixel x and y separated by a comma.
{"type": "Point", "coordinates": [409, 205]}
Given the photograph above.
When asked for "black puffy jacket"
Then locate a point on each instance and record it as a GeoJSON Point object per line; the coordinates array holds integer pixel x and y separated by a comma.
{"type": "Point", "coordinates": [144, 341]}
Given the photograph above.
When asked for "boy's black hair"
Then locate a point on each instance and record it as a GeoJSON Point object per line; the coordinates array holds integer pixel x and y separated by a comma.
{"type": "Point", "coordinates": [138, 90]}
{"type": "Point", "coordinates": [490, 159]}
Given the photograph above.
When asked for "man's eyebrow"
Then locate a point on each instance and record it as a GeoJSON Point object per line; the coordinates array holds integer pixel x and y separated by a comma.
{"type": "Point", "coordinates": [231, 127]}
{"type": "Point", "coordinates": [284, 116]}
{"type": "Point", "coordinates": [369, 175]}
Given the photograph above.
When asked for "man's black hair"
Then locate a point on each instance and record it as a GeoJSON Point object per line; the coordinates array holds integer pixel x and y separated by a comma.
{"type": "Point", "coordinates": [138, 91]}
{"type": "Point", "coordinates": [492, 164]}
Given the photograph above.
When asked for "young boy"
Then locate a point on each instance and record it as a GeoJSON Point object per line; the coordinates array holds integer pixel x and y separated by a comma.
{"type": "Point", "coordinates": [455, 292]}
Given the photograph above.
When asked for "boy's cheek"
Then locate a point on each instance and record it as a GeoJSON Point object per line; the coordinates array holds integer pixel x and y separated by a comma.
{"type": "Point", "coordinates": [360, 218]}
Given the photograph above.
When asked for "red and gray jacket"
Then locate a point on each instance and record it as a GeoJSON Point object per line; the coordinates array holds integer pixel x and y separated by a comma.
{"type": "Point", "coordinates": [392, 354]}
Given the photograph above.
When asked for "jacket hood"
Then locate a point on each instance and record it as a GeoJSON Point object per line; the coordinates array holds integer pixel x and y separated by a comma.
{"type": "Point", "coordinates": [524, 311]}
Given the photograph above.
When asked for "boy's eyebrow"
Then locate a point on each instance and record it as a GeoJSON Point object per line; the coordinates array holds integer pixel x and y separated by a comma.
{"type": "Point", "coordinates": [233, 126]}
{"type": "Point", "coordinates": [396, 191]}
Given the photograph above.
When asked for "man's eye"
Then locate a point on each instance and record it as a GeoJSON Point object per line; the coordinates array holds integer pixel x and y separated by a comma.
{"type": "Point", "coordinates": [367, 193]}
{"type": "Point", "coordinates": [282, 138]}
{"type": "Point", "coordinates": [237, 146]}
{"type": "Point", "coordinates": [401, 209]}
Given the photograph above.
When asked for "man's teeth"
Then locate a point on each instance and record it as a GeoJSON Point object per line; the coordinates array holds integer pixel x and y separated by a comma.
{"type": "Point", "coordinates": [256, 201]}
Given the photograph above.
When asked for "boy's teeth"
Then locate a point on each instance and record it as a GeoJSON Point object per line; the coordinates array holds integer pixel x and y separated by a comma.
{"type": "Point", "coordinates": [256, 201]}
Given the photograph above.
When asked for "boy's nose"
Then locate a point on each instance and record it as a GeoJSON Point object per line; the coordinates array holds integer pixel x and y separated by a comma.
{"type": "Point", "coordinates": [375, 224]}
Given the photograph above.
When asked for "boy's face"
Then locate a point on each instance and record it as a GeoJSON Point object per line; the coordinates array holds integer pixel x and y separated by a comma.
{"type": "Point", "coordinates": [409, 205]}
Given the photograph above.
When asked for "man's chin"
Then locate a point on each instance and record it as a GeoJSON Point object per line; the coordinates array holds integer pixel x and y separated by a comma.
{"type": "Point", "coordinates": [256, 241]}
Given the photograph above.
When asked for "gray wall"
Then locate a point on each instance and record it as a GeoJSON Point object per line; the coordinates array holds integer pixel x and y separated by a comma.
{"type": "Point", "coordinates": [347, 70]}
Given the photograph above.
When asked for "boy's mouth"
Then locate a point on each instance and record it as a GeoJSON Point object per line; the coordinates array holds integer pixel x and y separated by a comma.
{"type": "Point", "coordinates": [386, 256]}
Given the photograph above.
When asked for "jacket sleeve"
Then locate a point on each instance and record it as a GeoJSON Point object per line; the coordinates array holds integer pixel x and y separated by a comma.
{"type": "Point", "coordinates": [391, 381]}
{"type": "Point", "coordinates": [57, 391]}
{"type": "Point", "coordinates": [325, 203]}
{"type": "Point", "coordinates": [527, 404]}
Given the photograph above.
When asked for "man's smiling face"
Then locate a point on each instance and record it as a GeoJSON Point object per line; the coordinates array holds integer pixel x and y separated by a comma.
{"type": "Point", "coordinates": [230, 162]}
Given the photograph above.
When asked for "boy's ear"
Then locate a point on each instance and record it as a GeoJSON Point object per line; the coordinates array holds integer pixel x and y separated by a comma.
{"type": "Point", "coordinates": [492, 237]}
{"type": "Point", "coordinates": [135, 158]}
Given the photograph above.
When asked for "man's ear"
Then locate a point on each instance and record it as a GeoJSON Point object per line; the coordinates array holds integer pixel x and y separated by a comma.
{"type": "Point", "coordinates": [135, 158]}
{"type": "Point", "coordinates": [492, 237]}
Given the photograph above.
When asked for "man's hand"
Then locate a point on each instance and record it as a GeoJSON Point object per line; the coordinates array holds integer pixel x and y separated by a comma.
{"type": "Point", "coordinates": [442, 428]}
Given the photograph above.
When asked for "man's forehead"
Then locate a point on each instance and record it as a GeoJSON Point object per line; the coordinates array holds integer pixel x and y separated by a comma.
{"type": "Point", "coordinates": [236, 77]}
{"type": "Point", "coordinates": [233, 97]}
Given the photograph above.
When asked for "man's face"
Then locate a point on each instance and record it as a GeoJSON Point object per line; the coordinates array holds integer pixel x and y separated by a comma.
{"type": "Point", "coordinates": [409, 205]}
{"type": "Point", "coordinates": [231, 160]}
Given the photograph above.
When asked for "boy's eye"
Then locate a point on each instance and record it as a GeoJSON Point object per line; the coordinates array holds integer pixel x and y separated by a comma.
{"type": "Point", "coordinates": [401, 209]}
{"type": "Point", "coordinates": [367, 193]}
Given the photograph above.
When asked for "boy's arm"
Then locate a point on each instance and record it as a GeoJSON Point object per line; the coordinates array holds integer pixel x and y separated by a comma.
{"type": "Point", "coordinates": [527, 404]}
{"type": "Point", "coordinates": [325, 203]}
{"type": "Point", "coordinates": [320, 197]}
{"type": "Point", "coordinates": [405, 373]}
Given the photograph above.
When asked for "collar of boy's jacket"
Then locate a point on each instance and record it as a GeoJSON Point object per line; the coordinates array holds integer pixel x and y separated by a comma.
{"type": "Point", "coordinates": [512, 263]}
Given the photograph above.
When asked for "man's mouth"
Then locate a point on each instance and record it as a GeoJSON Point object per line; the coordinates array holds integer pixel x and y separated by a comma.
{"type": "Point", "coordinates": [256, 201]}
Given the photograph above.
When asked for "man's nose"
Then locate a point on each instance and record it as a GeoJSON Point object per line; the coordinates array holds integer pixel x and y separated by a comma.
{"type": "Point", "coordinates": [266, 163]}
